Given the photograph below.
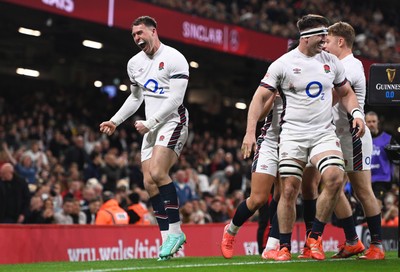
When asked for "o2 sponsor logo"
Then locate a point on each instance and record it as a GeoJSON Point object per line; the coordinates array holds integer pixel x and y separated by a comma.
{"type": "Point", "coordinates": [310, 90]}
{"type": "Point", "coordinates": [152, 86]}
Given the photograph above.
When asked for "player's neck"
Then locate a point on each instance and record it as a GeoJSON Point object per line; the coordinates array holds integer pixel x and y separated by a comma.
{"type": "Point", "coordinates": [345, 53]}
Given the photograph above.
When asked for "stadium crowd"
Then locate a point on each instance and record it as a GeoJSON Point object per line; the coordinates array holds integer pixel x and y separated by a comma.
{"type": "Point", "coordinates": [57, 149]}
{"type": "Point", "coordinates": [59, 152]}
{"type": "Point", "coordinates": [377, 29]}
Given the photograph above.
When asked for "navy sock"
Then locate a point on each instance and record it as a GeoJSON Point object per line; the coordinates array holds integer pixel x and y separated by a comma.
{"type": "Point", "coordinates": [242, 214]}
{"type": "Point", "coordinates": [375, 228]}
{"type": "Point", "coordinates": [309, 210]}
{"type": "Point", "coordinates": [274, 232]}
{"type": "Point", "coordinates": [273, 205]}
{"type": "Point", "coordinates": [168, 194]}
{"type": "Point", "coordinates": [159, 212]}
{"type": "Point", "coordinates": [285, 240]}
{"type": "Point", "coordinates": [349, 228]}
{"type": "Point", "coordinates": [317, 229]}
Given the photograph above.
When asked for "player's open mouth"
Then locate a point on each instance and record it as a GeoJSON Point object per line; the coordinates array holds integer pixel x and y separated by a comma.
{"type": "Point", "coordinates": [141, 44]}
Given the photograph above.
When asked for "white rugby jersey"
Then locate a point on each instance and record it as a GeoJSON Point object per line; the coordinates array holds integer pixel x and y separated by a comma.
{"type": "Point", "coordinates": [306, 84]}
{"type": "Point", "coordinates": [356, 77]}
{"type": "Point", "coordinates": [153, 74]}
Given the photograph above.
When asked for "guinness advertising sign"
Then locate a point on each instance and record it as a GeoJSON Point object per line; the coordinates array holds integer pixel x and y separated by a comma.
{"type": "Point", "coordinates": [384, 84]}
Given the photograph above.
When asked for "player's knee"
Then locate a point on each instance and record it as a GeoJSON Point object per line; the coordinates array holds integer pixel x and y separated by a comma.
{"type": "Point", "coordinates": [257, 200]}
{"type": "Point", "coordinates": [290, 190]}
{"type": "Point", "coordinates": [333, 180]}
{"type": "Point", "coordinates": [157, 175]}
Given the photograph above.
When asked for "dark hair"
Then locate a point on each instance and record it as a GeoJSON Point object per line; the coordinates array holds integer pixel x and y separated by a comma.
{"type": "Point", "coordinates": [134, 198]}
{"type": "Point", "coordinates": [310, 21]}
{"type": "Point", "coordinates": [344, 30]}
{"type": "Point", "coordinates": [146, 20]}
{"type": "Point", "coordinates": [293, 45]}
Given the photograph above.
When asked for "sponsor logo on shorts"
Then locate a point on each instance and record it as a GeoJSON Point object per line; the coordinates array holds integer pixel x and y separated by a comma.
{"type": "Point", "coordinates": [284, 154]}
{"type": "Point", "coordinates": [264, 167]}
{"type": "Point", "coordinates": [180, 145]}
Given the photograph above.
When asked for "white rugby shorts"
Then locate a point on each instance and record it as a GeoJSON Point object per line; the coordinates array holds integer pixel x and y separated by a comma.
{"type": "Point", "coordinates": [171, 135]}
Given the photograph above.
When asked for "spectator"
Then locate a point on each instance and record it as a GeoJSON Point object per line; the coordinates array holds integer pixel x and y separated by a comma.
{"type": "Point", "coordinates": [216, 211]}
{"type": "Point", "coordinates": [38, 213]}
{"type": "Point", "coordinates": [24, 166]}
{"type": "Point", "coordinates": [74, 190]}
{"type": "Point", "coordinates": [78, 217]}
{"type": "Point", "coordinates": [14, 196]}
{"type": "Point", "coordinates": [58, 144]}
{"type": "Point", "coordinates": [111, 172]}
{"type": "Point", "coordinates": [65, 215]}
{"type": "Point", "coordinates": [93, 167]}
{"type": "Point", "coordinates": [137, 211]}
{"type": "Point", "coordinates": [381, 167]}
{"type": "Point", "coordinates": [183, 190]}
{"type": "Point", "coordinates": [110, 213]}
{"type": "Point", "coordinates": [186, 210]}
{"type": "Point", "coordinates": [197, 216]}
{"type": "Point", "coordinates": [91, 212]}
{"type": "Point", "coordinates": [76, 154]}
{"type": "Point", "coordinates": [38, 157]}
{"type": "Point", "coordinates": [88, 194]}
{"type": "Point", "coordinates": [390, 216]}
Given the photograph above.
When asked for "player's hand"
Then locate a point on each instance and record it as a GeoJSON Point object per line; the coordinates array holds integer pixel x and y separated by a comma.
{"type": "Point", "coordinates": [142, 129]}
{"type": "Point", "coordinates": [107, 127]}
{"type": "Point", "coordinates": [249, 142]}
{"type": "Point", "coordinates": [360, 125]}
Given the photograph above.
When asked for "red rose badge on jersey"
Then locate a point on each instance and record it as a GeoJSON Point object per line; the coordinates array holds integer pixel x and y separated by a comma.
{"type": "Point", "coordinates": [327, 68]}
{"type": "Point", "coordinates": [161, 66]}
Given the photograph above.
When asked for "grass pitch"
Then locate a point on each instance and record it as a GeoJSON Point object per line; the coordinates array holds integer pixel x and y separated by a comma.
{"type": "Point", "coordinates": [211, 264]}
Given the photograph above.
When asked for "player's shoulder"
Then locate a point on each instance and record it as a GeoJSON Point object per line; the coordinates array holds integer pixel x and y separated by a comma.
{"type": "Point", "coordinates": [172, 53]}
{"type": "Point", "coordinates": [136, 58]}
{"type": "Point", "coordinates": [353, 61]}
{"type": "Point", "coordinates": [328, 57]}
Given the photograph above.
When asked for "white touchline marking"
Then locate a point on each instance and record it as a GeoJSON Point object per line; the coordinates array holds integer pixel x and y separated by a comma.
{"type": "Point", "coordinates": [207, 265]}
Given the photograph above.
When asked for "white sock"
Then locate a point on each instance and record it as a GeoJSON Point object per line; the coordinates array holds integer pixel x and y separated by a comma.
{"type": "Point", "coordinates": [164, 235]}
{"type": "Point", "coordinates": [175, 228]}
{"type": "Point", "coordinates": [233, 229]}
{"type": "Point", "coordinates": [272, 243]}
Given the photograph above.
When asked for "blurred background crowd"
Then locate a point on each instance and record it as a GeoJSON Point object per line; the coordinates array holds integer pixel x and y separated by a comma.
{"type": "Point", "coordinates": [377, 29]}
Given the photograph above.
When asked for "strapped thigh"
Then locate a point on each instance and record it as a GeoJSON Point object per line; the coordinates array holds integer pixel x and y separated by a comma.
{"type": "Point", "coordinates": [328, 161]}
{"type": "Point", "coordinates": [288, 168]}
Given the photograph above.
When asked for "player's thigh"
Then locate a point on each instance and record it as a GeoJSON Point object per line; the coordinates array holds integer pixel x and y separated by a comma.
{"type": "Point", "coordinates": [326, 155]}
{"type": "Point", "coordinates": [357, 152]}
{"type": "Point", "coordinates": [361, 183]}
{"type": "Point", "coordinates": [162, 159]}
